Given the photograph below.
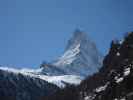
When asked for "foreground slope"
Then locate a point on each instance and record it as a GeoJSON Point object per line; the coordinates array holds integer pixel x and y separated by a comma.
{"type": "Point", "coordinates": [18, 86]}
{"type": "Point", "coordinates": [26, 84]}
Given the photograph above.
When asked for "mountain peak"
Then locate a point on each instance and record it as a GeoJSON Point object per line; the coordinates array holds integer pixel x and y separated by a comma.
{"type": "Point", "coordinates": [77, 39]}
{"type": "Point", "coordinates": [79, 34]}
{"type": "Point", "coordinates": [81, 56]}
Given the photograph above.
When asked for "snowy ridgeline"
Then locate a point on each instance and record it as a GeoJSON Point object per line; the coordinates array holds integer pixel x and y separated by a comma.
{"type": "Point", "coordinates": [60, 81]}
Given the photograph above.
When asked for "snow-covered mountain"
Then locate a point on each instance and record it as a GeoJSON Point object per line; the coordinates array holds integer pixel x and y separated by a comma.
{"type": "Point", "coordinates": [81, 57]}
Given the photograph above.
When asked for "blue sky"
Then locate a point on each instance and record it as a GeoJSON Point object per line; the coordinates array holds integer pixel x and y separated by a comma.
{"type": "Point", "coordinates": [35, 30]}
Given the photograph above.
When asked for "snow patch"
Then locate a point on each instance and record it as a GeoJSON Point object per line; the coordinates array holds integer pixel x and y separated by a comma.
{"type": "Point", "coordinates": [118, 54]}
{"type": "Point", "coordinates": [126, 71]}
{"type": "Point", "coordinates": [101, 88]}
{"type": "Point", "coordinates": [118, 80]}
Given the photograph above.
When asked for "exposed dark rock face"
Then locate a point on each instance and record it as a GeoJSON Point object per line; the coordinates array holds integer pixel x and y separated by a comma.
{"type": "Point", "coordinates": [114, 81]}
{"type": "Point", "coordinates": [121, 80]}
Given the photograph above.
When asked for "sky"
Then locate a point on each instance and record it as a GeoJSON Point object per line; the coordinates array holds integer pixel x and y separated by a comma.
{"type": "Point", "coordinates": [32, 31]}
